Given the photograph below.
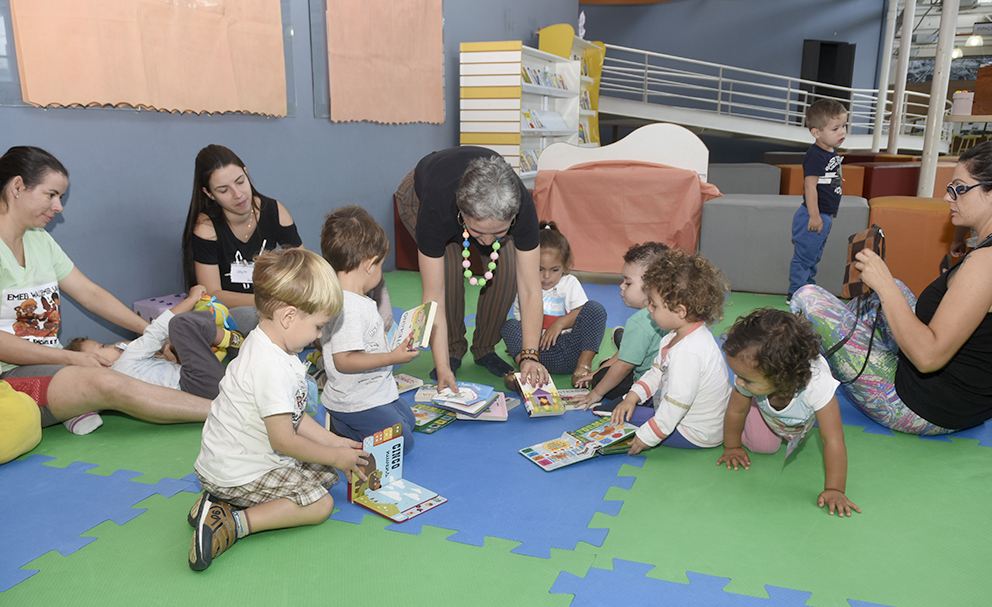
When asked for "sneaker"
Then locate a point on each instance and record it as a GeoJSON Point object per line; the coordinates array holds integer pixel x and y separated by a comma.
{"type": "Point", "coordinates": [617, 336]}
{"type": "Point", "coordinates": [605, 408]}
{"type": "Point", "coordinates": [214, 533]}
{"type": "Point", "coordinates": [196, 510]}
{"type": "Point", "coordinates": [494, 364]}
{"type": "Point", "coordinates": [83, 424]}
{"type": "Point", "coordinates": [453, 362]}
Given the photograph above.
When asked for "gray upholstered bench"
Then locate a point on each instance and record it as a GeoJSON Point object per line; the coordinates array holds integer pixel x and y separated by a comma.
{"type": "Point", "coordinates": [749, 237]}
{"type": "Point", "coordinates": [745, 178]}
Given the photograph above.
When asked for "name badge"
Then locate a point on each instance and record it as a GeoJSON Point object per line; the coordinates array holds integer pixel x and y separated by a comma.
{"type": "Point", "coordinates": [241, 272]}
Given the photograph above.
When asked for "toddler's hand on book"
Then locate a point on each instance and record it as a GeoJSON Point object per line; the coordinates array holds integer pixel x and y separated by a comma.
{"type": "Point", "coordinates": [404, 353]}
{"type": "Point", "coordinates": [587, 400]}
{"type": "Point", "coordinates": [351, 461]}
{"type": "Point", "coordinates": [636, 446]}
{"type": "Point", "coordinates": [623, 411]}
{"type": "Point", "coordinates": [735, 456]}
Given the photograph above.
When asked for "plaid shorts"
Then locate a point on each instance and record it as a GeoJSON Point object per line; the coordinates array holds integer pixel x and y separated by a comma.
{"type": "Point", "coordinates": [304, 483]}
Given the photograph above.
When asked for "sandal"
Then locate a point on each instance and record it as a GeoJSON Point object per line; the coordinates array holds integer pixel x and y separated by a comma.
{"type": "Point", "coordinates": [582, 371]}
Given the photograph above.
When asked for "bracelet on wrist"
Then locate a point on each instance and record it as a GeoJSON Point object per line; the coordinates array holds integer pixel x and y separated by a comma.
{"type": "Point", "coordinates": [533, 358]}
{"type": "Point", "coordinates": [529, 351]}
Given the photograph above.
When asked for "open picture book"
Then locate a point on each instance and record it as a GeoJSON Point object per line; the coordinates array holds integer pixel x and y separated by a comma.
{"type": "Point", "coordinates": [471, 399]}
{"type": "Point", "coordinates": [385, 491]}
{"type": "Point", "coordinates": [601, 437]}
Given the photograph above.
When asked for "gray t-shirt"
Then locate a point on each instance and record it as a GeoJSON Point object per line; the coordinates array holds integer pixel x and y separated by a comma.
{"type": "Point", "coordinates": [358, 328]}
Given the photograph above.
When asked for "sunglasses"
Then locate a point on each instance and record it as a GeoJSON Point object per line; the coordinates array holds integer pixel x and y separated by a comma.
{"type": "Point", "coordinates": [957, 190]}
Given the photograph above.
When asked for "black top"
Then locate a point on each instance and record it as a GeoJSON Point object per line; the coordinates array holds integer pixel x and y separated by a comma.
{"type": "Point", "coordinates": [227, 249]}
{"type": "Point", "coordinates": [435, 180]}
{"type": "Point", "coordinates": [830, 184]}
{"type": "Point", "coordinates": [959, 395]}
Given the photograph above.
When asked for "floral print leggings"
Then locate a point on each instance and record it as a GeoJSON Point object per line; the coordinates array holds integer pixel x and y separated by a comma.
{"type": "Point", "coordinates": [875, 391]}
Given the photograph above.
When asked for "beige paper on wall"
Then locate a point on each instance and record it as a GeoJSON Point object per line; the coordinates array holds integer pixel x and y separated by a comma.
{"type": "Point", "coordinates": [173, 55]}
{"type": "Point", "coordinates": [385, 60]}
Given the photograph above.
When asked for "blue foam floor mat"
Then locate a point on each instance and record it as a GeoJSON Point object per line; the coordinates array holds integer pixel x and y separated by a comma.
{"type": "Point", "coordinates": [488, 485]}
{"type": "Point", "coordinates": [47, 508]}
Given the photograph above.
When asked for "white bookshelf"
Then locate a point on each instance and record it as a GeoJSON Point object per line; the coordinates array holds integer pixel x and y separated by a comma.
{"type": "Point", "coordinates": [498, 105]}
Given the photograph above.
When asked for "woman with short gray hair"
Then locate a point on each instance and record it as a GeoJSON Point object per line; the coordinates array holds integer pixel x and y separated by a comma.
{"type": "Point", "coordinates": [466, 197]}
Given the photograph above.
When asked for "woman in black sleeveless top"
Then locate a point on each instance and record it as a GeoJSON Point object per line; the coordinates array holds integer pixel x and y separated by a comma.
{"type": "Point", "coordinates": [228, 225]}
{"type": "Point", "coordinates": [930, 370]}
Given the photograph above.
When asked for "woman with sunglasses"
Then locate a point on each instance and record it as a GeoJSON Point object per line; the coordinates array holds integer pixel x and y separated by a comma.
{"type": "Point", "coordinates": [469, 197]}
{"type": "Point", "coordinates": [930, 368]}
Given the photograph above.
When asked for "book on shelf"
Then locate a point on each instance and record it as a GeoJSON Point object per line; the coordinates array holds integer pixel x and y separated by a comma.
{"type": "Point", "coordinates": [570, 395]}
{"type": "Point", "coordinates": [430, 419]}
{"type": "Point", "coordinates": [585, 102]}
{"type": "Point", "coordinates": [471, 399]}
{"type": "Point", "coordinates": [531, 119]}
{"type": "Point", "coordinates": [425, 394]}
{"type": "Point", "coordinates": [560, 82]}
{"type": "Point", "coordinates": [582, 134]}
{"type": "Point", "coordinates": [406, 382]}
{"type": "Point", "coordinates": [601, 437]}
{"type": "Point", "coordinates": [385, 491]}
{"type": "Point", "coordinates": [541, 401]}
{"type": "Point", "coordinates": [525, 76]}
{"type": "Point", "coordinates": [495, 412]}
{"type": "Point", "coordinates": [415, 326]}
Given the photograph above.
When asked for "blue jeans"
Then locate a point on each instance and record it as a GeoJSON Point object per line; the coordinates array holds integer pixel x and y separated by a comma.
{"type": "Point", "coordinates": [357, 426]}
{"type": "Point", "coordinates": [808, 248]}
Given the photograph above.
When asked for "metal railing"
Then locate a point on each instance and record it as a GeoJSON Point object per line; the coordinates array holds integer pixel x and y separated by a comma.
{"type": "Point", "coordinates": [731, 91]}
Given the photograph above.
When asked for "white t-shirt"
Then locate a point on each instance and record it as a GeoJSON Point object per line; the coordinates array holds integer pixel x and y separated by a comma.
{"type": "Point", "coordinates": [693, 390]}
{"type": "Point", "coordinates": [262, 381]}
{"type": "Point", "coordinates": [801, 411]}
{"type": "Point", "coordinates": [138, 359]}
{"type": "Point", "coordinates": [358, 328]}
{"type": "Point", "coordinates": [29, 296]}
{"type": "Point", "coordinates": [559, 300]}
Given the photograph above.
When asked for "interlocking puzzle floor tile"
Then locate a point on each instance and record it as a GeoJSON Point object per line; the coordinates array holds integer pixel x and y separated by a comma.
{"type": "Point", "coordinates": [123, 443]}
{"type": "Point", "coordinates": [639, 589]}
{"type": "Point", "coordinates": [497, 492]}
{"type": "Point", "coordinates": [762, 527]}
{"type": "Point", "coordinates": [145, 563]}
{"type": "Point", "coordinates": [46, 508]}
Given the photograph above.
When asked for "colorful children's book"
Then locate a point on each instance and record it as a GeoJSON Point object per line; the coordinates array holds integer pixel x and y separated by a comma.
{"type": "Point", "coordinates": [415, 326]}
{"type": "Point", "coordinates": [425, 394]}
{"type": "Point", "coordinates": [385, 491]}
{"type": "Point", "coordinates": [471, 399]}
{"type": "Point", "coordinates": [541, 401]}
{"type": "Point", "coordinates": [406, 382]}
{"type": "Point", "coordinates": [579, 445]}
{"type": "Point", "coordinates": [569, 396]}
{"type": "Point", "coordinates": [430, 419]}
{"type": "Point", "coordinates": [495, 412]}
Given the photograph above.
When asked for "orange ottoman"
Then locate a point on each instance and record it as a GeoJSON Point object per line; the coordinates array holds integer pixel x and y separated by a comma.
{"type": "Point", "coordinates": [918, 233]}
{"type": "Point", "coordinates": [792, 179]}
{"type": "Point", "coordinates": [854, 179]}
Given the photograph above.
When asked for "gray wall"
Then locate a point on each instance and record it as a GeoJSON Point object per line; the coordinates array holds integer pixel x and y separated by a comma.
{"type": "Point", "coordinates": [762, 35]}
{"type": "Point", "coordinates": [131, 172]}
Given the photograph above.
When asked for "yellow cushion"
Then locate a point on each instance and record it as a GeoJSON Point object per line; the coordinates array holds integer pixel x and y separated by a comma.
{"type": "Point", "coordinates": [20, 423]}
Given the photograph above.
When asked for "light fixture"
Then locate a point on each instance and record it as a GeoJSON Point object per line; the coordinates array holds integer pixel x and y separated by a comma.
{"type": "Point", "coordinates": [974, 40]}
{"type": "Point", "coordinates": [956, 53]}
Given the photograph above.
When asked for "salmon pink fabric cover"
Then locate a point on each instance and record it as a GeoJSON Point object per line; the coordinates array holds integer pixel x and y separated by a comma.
{"type": "Point", "coordinates": [604, 208]}
{"type": "Point", "coordinates": [173, 55]}
{"type": "Point", "coordinates": [385, 61]}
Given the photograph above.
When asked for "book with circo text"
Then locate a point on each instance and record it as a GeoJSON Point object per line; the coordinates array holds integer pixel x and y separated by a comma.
{"type": "Point", "coordinates": [541, 401]}
{"type": "Point", "coordinates": [385, 491]}
{"type": "Point", "coordinates": [414, 327]}
{"type": "Point", "coordinates": [601, 437]}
